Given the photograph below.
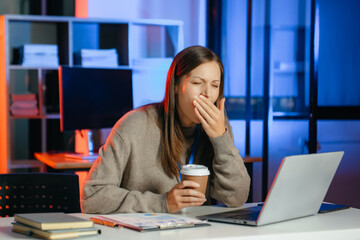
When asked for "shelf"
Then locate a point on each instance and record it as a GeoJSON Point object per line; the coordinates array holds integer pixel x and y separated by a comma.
{"type": "Point", "coordinates": [47, 116]}
{"type": "Point", "coordinates": [14, 67]}
{"type": "Point", "coordinates": [28, 163]}
{"type": "Point", "coordinates": [38, 18]}
{"type": "Point", "coordinates": [283, 27]}
{"type": "Point", "coordinates": [289, 67]}
{"type": "Point", "coordinates": [19, 67]}
{"type": "Point", "coordinates": [126, 67]}
{"type": "Point", "coordinates": [288, 71]}
{"type": "Point", "coordinates": [290, 115]}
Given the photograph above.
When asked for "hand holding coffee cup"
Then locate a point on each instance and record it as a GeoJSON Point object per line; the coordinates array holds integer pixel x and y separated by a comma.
{"type": "Point", "coordinates": [196, 173]}
{"type": "Point", "coordinates": [191, 191]}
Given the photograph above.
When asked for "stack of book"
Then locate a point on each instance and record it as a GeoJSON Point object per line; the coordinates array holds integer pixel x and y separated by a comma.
{"type": "Point", "coordinates": [53, 225]}
{"type": "Point", "coordinates": [39, 55]}
{"type": "Point", "coordinates": [24, 104]}
{"type": "Point", "coordinates": [107, 58]}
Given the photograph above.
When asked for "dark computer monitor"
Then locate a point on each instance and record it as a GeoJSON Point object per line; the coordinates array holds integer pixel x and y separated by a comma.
{"type": "Point", "coordinates": [93, 98]}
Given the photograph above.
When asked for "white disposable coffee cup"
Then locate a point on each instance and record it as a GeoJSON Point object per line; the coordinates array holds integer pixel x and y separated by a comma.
{"type": "Point", "coordinates": [196, 173]}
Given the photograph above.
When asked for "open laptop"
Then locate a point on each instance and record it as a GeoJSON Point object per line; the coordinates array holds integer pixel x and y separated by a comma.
{"type": "Point", "coordinates": [297, 191]}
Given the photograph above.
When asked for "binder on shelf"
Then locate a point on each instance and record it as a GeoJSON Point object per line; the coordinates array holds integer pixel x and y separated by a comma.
{"type": "Point", "coordinates": [38, 55]}
{"type": "Point", "coordinates": [107, 58]}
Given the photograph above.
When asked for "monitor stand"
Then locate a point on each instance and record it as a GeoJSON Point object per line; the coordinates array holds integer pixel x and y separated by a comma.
{"type": "Point", "coordinates": [84, 146]}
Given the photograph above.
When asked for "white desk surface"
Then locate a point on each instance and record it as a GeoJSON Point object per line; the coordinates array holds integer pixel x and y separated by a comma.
{"type": "Point", "coordinates": [343, 224]}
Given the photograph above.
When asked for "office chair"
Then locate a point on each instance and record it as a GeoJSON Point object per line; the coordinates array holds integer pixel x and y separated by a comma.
{"type": "Point", "coordinates": [38, 192]}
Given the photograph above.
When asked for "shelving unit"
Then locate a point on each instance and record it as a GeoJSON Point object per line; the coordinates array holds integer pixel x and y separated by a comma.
{"type": "Point", "coordinates": [272, 86]}
{"type": "Point", "coordinates": [288, 70]}
{"type": "Point", "coordinates": [138, 43]}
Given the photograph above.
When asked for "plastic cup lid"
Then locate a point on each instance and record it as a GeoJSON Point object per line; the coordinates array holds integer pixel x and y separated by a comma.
{"type": "Point", "coordinates": [194, 170]}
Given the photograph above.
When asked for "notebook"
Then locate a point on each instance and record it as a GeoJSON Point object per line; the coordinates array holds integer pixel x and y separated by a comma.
{"type": "Point", "coordinates": [298, 190]}
{"type": "Point", "coordinates": [52, 221]}
{"type": "Point", "coordinates": [54, 234]}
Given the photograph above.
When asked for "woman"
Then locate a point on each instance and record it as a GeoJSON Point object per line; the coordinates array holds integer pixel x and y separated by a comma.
{"type": "Point", "coordinates": [138, 167]}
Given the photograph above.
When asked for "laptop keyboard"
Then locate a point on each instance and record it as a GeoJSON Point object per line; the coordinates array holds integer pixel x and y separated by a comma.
{"type": "Point", "coordinates": [241, 215]}
{"type": "Point", "coordinates": [253, 215]}
{"type": "Point", "coordinates": [244, 214]}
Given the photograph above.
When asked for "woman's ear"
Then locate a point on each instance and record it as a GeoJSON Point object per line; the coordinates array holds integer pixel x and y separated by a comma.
{"type": "Point", "coordinates": [176, 88]}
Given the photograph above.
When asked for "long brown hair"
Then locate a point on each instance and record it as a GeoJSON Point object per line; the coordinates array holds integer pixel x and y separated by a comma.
{"type": "Point", "coordinates": [172, 138]}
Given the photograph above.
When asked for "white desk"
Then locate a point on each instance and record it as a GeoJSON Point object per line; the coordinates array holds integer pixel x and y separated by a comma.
{"type": "Point", "coordinates": [344, 224]}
